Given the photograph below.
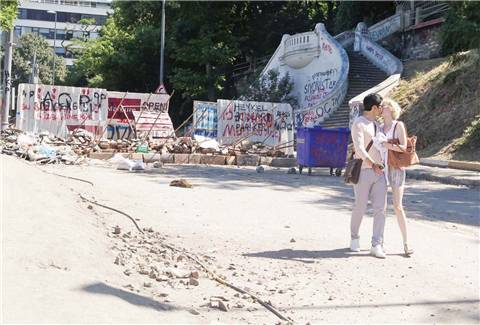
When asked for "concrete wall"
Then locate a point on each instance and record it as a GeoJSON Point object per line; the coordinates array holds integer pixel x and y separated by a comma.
{"type": "Point", "coordinates": [318, 65]}
{"type": "Point", "coordinates": [423, 42]}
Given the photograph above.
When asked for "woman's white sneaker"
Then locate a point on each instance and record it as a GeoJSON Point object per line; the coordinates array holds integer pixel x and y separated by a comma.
{"type": "Point", "coordinates": [355, 245]}
{"type": "Point", "coordinates": [377, 251]}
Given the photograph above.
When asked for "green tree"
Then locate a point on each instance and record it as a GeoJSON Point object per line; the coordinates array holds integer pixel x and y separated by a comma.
{"type": "Point", "coordinates": [204, 41]}
{"type": "Point", "coordinates": [350, 13]}
{"type": "Point", "coordinates": [8, 12]}
{"type": "Point", "coordinates": [461, 30]}
{"type": "Point", "coordinates": [271, 88]}
{"type": "Point", "coordinates": [28, 46]}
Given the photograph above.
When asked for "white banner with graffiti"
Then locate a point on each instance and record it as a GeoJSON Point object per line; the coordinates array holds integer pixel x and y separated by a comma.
{"type": "Point", "coordinates": [122, 108]}
{"type": "Point", "coordinates": [59, 109]}
{"type": "Point", "coordinates": [270, 123]}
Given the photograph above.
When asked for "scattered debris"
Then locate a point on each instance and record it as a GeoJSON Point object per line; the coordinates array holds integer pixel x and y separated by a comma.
{"type": "Point", "coordinates": [292, 170]}
{"type": "Point", "coordinates": [260, 169]}
{"type": "Point", "coordinates": [181, 183]}
{"type": "Point", "coordinates": [293, 240]}
{"type": "Point", "coordinates": [193, 282]}
{"type": "Point", "coordinates": [193, 312]}
{"type": "Point", "coordinates": [116, 230]}
{"type": "Point", "coordinates": [218, 303]}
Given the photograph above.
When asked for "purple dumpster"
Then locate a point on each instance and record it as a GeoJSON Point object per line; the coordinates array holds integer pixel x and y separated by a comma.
{"type": "Point", "coordinates": [322, 147]}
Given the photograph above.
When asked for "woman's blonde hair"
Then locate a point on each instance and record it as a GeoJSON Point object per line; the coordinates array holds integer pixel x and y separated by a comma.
{"type": "Point", "coordinates": [396, 110]}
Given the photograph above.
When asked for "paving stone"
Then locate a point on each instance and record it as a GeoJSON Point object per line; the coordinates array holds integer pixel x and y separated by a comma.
{"type": "Point", "coordinates": [267, 161]}
{"type": "Point", "coordinates": [181, 158]}
{"type": "Point", "coordinates": [195, 158]}
{"type": "Point", "coordinates": [213, 160]}
{"type": "Point", "coordinates": [231, 160]}
{"type": "Point", "coordinates": [167, 158]}
{"type": "Point", "coordinates": [284, 162]}
{"type": "Point", "coordinates": [248, 160]}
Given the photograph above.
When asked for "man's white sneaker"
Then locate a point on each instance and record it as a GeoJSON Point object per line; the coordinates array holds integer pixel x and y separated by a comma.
{"type": "Point", "coordinates": [355, 245]}
{"type": "Point", "coordinates": [378, 252]}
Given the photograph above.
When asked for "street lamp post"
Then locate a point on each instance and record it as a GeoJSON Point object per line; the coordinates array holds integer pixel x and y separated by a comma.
{"type": "Point", "coordinates": [54, 44]}
{"type": "Point", "coordinates": [162, 42]}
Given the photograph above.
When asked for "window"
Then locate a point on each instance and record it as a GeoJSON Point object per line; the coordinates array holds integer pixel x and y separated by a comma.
{"type": "Point", "coordinates": [26, 30]}
{"type": "Point", "coordinates": [18, 31]}
{"type": "Point", "coordinates": [45, 32]}
{"type": "Point", "coordinates": [60, 34]}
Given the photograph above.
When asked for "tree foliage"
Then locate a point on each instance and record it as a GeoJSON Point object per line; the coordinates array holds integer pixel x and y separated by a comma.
{"type": "Point", "coordinates": [350, 13]}
{"type": "Point", "coordinates": [204, 42]}
{"type": "Point", "coordinates": [28, 45]}
{"type": "Point", "coordinates": [461, 30]}
{"type": "Point", "coordinates": [271, 88]}
{"type": "Point", "coordinates": [8, 12]}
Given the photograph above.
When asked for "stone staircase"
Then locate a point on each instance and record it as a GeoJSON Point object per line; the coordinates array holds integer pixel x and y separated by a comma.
{"type": "Point", "coordinates": [362, 76]}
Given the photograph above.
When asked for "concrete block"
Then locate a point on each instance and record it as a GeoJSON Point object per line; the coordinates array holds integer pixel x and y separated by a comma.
{"type": "Point", "coordinates": [267, 161]}
{"type": "Point", "coordinates": [248, 160]}
{"type": "Point", "coordinates": [152, 157]}
{"type": "Point", "coordinates": [231, 160]}
{"type": "Point", "coordinates": [101, 155]}
{"type": "Point", "coordinates": [167, 158]}
{"type": "Point", "coordinates": [181, 158]}
{"type": "Point", "coordinates": [195, 158]}
{"type": "Point", "coordinates": [213, 160]}
{"type": "Point", "coordinates": [284, 162]}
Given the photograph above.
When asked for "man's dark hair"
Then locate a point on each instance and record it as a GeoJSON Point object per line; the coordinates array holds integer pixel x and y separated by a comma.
{"type": "Point", "coordinates": [370, 100]}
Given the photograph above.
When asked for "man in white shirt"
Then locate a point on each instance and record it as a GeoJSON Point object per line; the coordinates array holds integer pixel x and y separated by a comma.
{"type": "Point", "coordinates": [371, 183]}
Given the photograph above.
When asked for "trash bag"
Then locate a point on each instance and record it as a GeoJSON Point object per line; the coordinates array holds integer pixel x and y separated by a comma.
{"type": "Point", "coordinates": [47, 151]}
{"type": "Point", "coordinates": [26, 139]}
{"type": "Point", "coordinates": [126, 164]}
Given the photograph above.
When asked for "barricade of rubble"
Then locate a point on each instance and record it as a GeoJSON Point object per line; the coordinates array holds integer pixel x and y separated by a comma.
{"type": "Point", "coordinates": [45, 148]}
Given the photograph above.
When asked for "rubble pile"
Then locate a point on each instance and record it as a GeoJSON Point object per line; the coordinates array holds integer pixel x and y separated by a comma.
{"type": "Point", "coordinates": [149, 264]}
{"type": "Point", "coordinates": [46, 148]}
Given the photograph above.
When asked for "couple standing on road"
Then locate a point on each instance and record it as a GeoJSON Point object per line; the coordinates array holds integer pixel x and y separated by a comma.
{"type": "Point", "coordinates": [376, 174]}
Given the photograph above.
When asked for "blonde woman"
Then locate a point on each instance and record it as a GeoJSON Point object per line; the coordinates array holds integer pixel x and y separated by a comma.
{"type": "Point", "coordinates": [395, 129]}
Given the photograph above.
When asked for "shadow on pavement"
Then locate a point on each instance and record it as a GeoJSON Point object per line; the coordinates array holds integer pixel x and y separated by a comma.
{"type": "Point", "coordinates": [422, 200]}
{"type": "Point", "coordinates": [132, 298]}
{"type": "Point", "coordinates": [306, 256]}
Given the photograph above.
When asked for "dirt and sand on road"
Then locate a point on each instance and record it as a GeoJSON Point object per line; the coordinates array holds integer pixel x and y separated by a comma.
{"type": "Point", "coordinates": [281, 236]}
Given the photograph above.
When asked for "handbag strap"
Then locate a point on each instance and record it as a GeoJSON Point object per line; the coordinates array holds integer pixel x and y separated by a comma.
{"type": "Point", "coordinates": [393, 135]}
{"type": "Point", "coordinates": [370, 143]}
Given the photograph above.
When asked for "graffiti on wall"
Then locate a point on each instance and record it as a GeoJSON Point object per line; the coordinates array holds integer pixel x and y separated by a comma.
{"type": "Point", "coordinates": [316, 114]}
{"type": "Point", "coordinates": [205, 121]}
{"type": "Point", "coordinates": [271, 123]}
{"type": "Point", "coordinates": [379, 56]}
{"type": "Point", "coordinates": [387, 27]}
{"type": "Point", "coordinates": [319, 85]}
{"type": "Point", "coordinates": [59, 109]}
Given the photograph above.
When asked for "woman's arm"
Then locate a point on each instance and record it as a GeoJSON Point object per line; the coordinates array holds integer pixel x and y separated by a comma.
{"type": "Point", "coordinates": [401, 134]}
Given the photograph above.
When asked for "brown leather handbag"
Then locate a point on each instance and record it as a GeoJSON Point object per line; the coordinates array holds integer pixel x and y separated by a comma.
{"type": "Point", "coordinates": [354, 166]}
{"type": "Point", "coordinates": [405, 158]}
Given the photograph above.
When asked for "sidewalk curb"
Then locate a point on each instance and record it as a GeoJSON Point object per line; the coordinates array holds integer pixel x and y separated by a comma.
{"type": "Point", "coordinates": [456, 164]}
{"type": "Point", "coordinates": [451, 180]}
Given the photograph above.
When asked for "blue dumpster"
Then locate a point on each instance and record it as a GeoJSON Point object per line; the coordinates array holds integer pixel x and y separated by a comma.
{"type": "Point", "coordinates": [322, 147]}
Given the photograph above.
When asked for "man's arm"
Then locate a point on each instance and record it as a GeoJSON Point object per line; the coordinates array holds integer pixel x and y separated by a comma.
{"type": "Point", "coordinates": [359, 144]}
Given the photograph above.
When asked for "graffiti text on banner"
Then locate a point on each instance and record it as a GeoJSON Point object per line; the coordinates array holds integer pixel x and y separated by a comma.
{"type": "Point", "coordinates": [160, 125]}
{"type": "Point", "coordinates": [58, 109]}
{"type": "Point", "coordinates": [119, 128]}
{"type": "Point", "coordinates": [205, 119]}
{"type": "Point", "coordinates": [257, 121]}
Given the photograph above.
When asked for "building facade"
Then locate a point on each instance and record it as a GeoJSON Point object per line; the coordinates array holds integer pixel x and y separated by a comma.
{"type": "Point", "coordinates": [38, 16]}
